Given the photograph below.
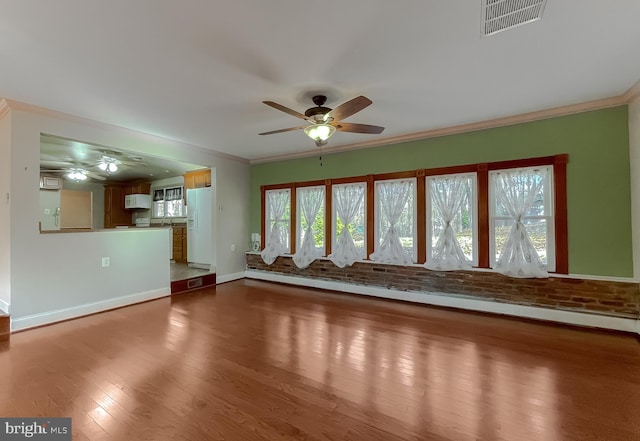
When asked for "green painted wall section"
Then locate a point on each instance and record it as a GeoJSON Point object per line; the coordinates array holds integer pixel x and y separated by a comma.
{"type": "Point", "coordinates": [599, 199]}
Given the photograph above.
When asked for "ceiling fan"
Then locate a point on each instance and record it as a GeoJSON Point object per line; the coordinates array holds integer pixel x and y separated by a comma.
{"type": "Point", "coordinates": [324, 121]}
{"type": "Point", "coordinates": [74, 172]}
{"type": "Point", "coordinates": [105, 164]}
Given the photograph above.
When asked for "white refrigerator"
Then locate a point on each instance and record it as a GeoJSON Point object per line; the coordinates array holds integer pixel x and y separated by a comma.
{"type": "Point", "coordinates": [199, 238]}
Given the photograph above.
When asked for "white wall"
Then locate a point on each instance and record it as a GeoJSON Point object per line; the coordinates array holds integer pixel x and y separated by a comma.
{"type": "Point", "coordinates": [634, 153]}
{"type": "Point", "coordinates": [40, 289]}
{"type": "Point", "coordinates": [5, 209]}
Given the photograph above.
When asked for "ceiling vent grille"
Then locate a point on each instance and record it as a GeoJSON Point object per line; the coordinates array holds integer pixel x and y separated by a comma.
{"type": "Point", "coordinates": [500, 15]}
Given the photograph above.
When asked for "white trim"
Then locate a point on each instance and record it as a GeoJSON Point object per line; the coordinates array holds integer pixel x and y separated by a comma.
{"type": "Point", "coordinates": [5, 307]}
{"type": "Point", "coordinates": [46, 318]}
{"type": "Point", "coordinates": [229, 277]}
{"type": "Point", "coordinates": [461, 302]}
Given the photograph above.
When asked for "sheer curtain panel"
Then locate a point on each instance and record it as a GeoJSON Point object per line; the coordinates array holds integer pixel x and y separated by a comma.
{"type": "Point", "coordinates": [310, 200]}
{"type": "Point", "coordinates": [392, 199]}
{"type": "Point", "coordinates": [347, 199]}
{"type": "Point", "coordinates": [515, 193]}
{"type": "Point", "coordinates": [277, 203]}
{"type": "Point", "coordinates": [448, 196]}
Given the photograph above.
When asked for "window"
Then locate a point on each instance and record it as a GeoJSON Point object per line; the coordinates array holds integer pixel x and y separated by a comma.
{"type": "Point", "coordinates": [277, 223]}
{"type": "Point", "coordinates": [452, 225]}
{"type": "Point", "coordinates": [522, 217]}
{"type": "Point", "coordinates": [168, 202]}
{"type": "Point", "coordinates": [462, 215]}
{"type": "Point", "coordinates": [395, 221]}
{"type": "Point", "coordinates": [349, 224]}
{"type": "Point", "coordinates": [310, 202]}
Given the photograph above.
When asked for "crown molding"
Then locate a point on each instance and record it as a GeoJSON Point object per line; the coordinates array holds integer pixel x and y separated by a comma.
{"type": "Point", "coordinates": [471, 127]}
{"type": "Point", "coordinates": [633, 92]}
{"type": "Point", "coordinates": [43, 111]}
{"type": "Point", "coordinates": [4, 107]}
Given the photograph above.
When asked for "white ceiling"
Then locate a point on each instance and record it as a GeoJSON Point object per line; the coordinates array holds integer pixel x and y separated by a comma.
{"type": "Point", "coordinates": [198, 71]}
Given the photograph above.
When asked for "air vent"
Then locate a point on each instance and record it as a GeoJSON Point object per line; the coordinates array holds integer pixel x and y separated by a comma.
{"type": "Point", "coordinates": [500, 15]}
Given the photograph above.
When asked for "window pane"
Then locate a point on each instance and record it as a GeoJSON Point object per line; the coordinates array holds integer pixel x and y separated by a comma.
{"type": "Point", "coordinates": [310, 196]}
{"type": "Point", "coordinates": [282, 199]}
{"type": "Point", "coordinates": [354, 204]}
{"type": "Point", "coordinates": [405, 226]}
{"type": "Point", "coordinates": [458, 191]}
{"type": "Point", "coordinates": [174, 208]}
{"type": "Point", "coordinates": [536, 228]}
{"type": "Point", "coordinates": [158, 209]}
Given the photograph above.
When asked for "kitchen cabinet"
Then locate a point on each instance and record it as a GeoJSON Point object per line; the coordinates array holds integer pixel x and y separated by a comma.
{"type": "Point", "coordinates": [137, 188]}
{"type": "Point", "coordinates": [114, 211]}
{"type": "Point", "coordinates": [115, 214]}
{"type": "Point", "coordinates": [179, 243]}
{"type": "Point", "coordinates": [197, 179]}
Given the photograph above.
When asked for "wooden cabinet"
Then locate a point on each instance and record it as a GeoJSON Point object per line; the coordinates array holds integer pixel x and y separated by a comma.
{"type": "Point", "coordinates": [197, 179]}
{"type": "Point", "coordinates": [137, 188]}
{"type": "Point", "coordinates": [114, 194]}
{"type": "Point", "coordinates": [179, 243]}
{"type": "Point", "coordinates": [114, 212]}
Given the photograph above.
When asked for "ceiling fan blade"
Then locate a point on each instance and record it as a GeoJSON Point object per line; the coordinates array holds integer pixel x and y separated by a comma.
{"type": "Point", "coordinates": [358, 128]}
{"type": "Point", "coordinates": [285, 109]}
{"type": "Point", "coordinates": [96, 176]}
{"type": "Point", "coordinates": [347, 109]}
{"type": "Point", "coordinates": [282, 130]}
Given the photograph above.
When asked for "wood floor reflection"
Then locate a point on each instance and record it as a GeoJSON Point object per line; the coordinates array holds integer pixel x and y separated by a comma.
{"type": "Point", "coordinates": [259, 361]}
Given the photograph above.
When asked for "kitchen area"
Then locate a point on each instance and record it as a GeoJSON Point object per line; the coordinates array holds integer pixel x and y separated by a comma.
{"type": "Point", "coordinates": [73, 201]}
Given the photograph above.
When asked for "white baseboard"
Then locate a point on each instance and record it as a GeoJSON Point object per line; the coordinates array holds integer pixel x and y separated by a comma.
{"type": "Point", "coordinates": [229, 277]}
{"type": "Point", "coordinates": [461, 302]}
{"type": "Point", "coordinates": [5, 307]}
{"type": "Point", "coordinates": [45, 318]}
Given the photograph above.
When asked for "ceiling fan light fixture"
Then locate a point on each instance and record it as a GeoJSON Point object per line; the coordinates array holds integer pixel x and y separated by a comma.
{"type": "Point", "coordinates": [320, 132]}
{"type": "Point", "coordinates": [77, 175]}
{"type": "Point", "coordinates": [108, 164]}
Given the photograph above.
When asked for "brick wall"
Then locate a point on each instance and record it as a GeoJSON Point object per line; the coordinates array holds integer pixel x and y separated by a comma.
{"type": "Point", "coordinates": [618, 299]}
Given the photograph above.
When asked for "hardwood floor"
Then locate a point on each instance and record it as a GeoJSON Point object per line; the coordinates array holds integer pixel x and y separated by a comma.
{"type": "Point", "coordinates": [253, 360]}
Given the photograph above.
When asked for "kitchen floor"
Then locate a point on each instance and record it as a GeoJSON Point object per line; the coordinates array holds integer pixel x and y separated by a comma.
{"type": "Point", "coordinates": [180, 271]}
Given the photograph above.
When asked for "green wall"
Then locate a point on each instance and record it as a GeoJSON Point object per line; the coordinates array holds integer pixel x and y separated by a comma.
{"type": "Point", "coordinates": [598, 181]}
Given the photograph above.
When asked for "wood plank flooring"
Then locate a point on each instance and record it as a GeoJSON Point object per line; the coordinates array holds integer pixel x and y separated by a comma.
{"type": "Point", "coordinates": [253, 360]}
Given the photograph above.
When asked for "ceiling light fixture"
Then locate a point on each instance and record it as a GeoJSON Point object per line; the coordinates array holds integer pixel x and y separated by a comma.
{"type": "Point", "coordinates": [320, 133]}
{"type": "Point", "coordinates": [77, 175]}
{"type": "Point", "coordinates": [107, 164]}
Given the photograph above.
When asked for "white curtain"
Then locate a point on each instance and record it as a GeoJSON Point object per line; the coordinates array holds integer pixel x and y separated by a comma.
{"type": "Point", "coordinates": [392, 199]}
{"type": "Point", "coordinates": [516, 191]}
{"type": "Point", "coordinates": [448, 196]}
{"type": "Point", "coordinates": [277, 202]}
{"type": "Point", "coordinates": [310, 200]}
{"type": "Point", "coordinates": [347, 199]}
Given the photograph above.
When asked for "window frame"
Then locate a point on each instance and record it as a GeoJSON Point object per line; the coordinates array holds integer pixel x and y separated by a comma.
{"type": "Point", "coordinates": [377, 218]}
{"type": "Point", "coordinates": [334, 217]}
{"type": "Point", "coordinates": [299, 230]}
{"type": "Point", "coordinates": [288, 221]}
{"type": "Point", "coordinates": [474, 213]}
{"type": "Point", "coordinates": [549, 207]}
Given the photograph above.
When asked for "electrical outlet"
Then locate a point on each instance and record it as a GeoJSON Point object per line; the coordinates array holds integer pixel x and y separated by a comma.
{"type": "Point", "coordinates": [106, 261]}
{"type": "Point", "coordinates": [233, 247]}
{"type": "Point", "coordinates": [47, 211]}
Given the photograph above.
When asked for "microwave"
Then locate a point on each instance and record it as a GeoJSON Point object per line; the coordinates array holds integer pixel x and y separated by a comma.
{"type": "Point", "coordinates": [132, 201]}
